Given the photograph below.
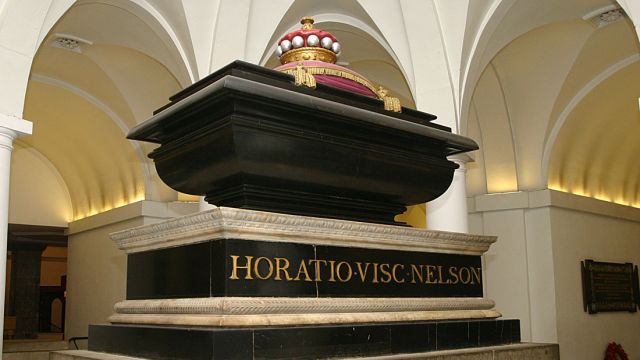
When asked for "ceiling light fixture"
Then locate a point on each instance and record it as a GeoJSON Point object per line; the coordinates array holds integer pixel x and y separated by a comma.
{"type": "Point", "coordinates": [69, 42]}
{"type": "Point", "coordinates": [604, 16]}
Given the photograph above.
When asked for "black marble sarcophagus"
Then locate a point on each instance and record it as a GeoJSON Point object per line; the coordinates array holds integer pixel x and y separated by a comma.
{"type": "Point", "coordinates": [247, 137]}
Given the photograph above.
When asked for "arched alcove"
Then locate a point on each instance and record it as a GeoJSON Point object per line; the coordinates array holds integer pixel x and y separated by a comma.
{"type": "Point", "coordinates": [103, 68]}
{"type": "Point", "coordinates": [595, 152]}
{"type": "Point", "coordinates": [530, 87]}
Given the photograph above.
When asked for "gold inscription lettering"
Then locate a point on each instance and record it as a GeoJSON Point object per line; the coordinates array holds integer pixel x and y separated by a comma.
{"type": "Point", "coordinates": [464, 279]}
{"type": "Point", "coordinates": [316, 264]}
{"type": "Point", "coordinates": [475, 274]}
{"type": "Point", "coordinates": [384, 269]}
{"type": "Point", "coordinates": [454, 275]}
{"type": "Point", "coordinates": [363, 273]}
{"type": "Point", "coordinates": [282, 269]}
{"type": "Point", "coordinates": [430, 275]}
{"type": "Point", "coordinates": [375, 273]}
{"type": "Point", "coordinates": [415, 271]}
{"type": "Point", "coordinates": [349, 273]}
{"type": "Point", "coordinates": [256, 268]}
{"type": "Point", "coordinates": [440, 276]}
{"type": "Point", "coordinates": [235, 267]}
{"type": "Point", "coordinates": [302, 270]}
{"type": "Point", "coordinates": [332, 271]}
{"type": "Point", "coordinates": [395, 273]}
{"type": "Point", "coordinates": [282, 265]}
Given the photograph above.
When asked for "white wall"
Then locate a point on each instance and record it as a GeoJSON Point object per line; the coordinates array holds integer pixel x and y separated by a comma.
{"type": "Point", "coordinates": [519, 265]}
{"type": "Point", "coordinates": [96, 269]}
{"type": "Point", "coordinates": [533, 270]}
{"type": "Point", "coordinates": [578, 236]}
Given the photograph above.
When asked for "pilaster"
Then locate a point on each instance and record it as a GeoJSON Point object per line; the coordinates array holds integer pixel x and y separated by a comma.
{"type": "Point", "coordinates": [449, 211]}
{"type": "Point", "coordinates": [11, 127]}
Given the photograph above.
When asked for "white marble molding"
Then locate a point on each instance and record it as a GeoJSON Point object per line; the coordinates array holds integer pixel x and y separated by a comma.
{"type": "Point", "coordinates": [259, 311]}
{"type": "Point", "coordinates": [297, 319]}
{"type": "Point", "coordinates": [230, 223]}
{"type": "Point", "coordinates": [285, 305]}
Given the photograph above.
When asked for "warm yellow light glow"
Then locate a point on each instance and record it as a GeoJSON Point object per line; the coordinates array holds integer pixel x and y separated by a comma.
{"type": "Point", "coordinates": [600, 196]}
{"type": "Point", "coordinates": [603, 197]}
{"type": "Point", "coordinates": [188, 198]}
{"type": "Point", "coordinates": [579, 191]}
{"type": "Point", "coordinates": [116, 204]}
{"type": "Point", "coordinates": [502, 185]}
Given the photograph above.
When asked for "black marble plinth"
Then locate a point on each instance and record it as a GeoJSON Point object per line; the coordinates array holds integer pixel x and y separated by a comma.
{"type": "Point", "coordinates": [232, 267]}
{"type": "Point", "coordinates": [303, 342]}
{"type": "Point", "coordinates": [247, 137]}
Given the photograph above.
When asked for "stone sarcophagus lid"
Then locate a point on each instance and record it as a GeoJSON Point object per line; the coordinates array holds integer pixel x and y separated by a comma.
{"type": "Point", "coordinates": [249, 137]}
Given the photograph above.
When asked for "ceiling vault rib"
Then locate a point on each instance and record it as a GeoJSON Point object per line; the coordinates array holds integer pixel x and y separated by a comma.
{"type": "Point", "coordinates": [146, 171]}
{"type": "Point", "coordinates": [516, 156]}
{"type": "Point", "coordinates": [458, 129]}
{"type": "Point", "coordinates": [484, 159]}
{"type": "Point", "coordinates": [566, 111]}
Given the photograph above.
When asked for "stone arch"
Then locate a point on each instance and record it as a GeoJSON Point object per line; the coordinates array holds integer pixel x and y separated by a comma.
{"type": "Point", "coordinates": [118, 78]}
{"type": "Point", "coordinates": [579, 96]}
{"type": "Point", "coordinates": [536, 91]}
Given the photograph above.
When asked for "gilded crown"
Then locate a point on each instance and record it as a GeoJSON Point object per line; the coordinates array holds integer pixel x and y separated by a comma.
{"type": "Point", "coordinates": [308, 43]}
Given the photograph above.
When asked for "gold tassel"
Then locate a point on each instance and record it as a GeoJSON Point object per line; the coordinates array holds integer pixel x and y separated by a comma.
{"type": "Point", "coordinates": [309, 80]}
{"type": "Point", "coordinates": [390, 103]}
{"type": "Point", "coordinates": [302, 77]}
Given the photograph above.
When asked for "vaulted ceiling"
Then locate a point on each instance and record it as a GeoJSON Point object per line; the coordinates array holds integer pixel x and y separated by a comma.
{"type": "Point", "coordinates": [550, 101]}
{"type": "Point", "coordinates": [84, 99]}
{"type": "Point", "coordinates": [557, 107]}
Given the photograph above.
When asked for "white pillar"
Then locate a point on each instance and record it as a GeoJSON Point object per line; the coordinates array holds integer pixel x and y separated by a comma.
{"type": "Point", "coordinates": [204, 206]}
{"type": "Point", "coordinates": [10, 128]}
{"type": "Point", "coordinates": [449, 211]}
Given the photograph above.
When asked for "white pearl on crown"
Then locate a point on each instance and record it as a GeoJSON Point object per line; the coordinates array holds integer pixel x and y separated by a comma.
{"type": "Point", "coordinates": [285, 45]}
{"type": "Point", "coordinates": [326, 43]}
{"type": "Point", "coordinates": [297, 41]}
{"type": "Point", "coordinates": [336, 47]}
{"type": "Point", "coordinates": [313, 40]}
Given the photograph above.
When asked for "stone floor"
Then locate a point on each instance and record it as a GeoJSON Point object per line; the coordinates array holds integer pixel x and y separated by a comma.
{"type": "Point", "coordinates": [36, 349]}
{"type": "Point", "coordinates": [505, 352]}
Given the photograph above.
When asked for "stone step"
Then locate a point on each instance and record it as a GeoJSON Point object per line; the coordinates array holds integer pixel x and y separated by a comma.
{"type": "Point", "coordinates": [524, 351]}
{"type": "Point", "coordinates": [85, 354]}
{"type": "Point", "coordinates": [36, 349]}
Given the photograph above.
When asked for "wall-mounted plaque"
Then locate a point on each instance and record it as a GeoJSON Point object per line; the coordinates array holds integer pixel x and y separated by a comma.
{"type": "Point", "coordinates": [609, 286]}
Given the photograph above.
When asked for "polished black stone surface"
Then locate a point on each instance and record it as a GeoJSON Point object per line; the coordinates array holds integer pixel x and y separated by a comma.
{"type": "Point", "coordinates": [234, 267]}
{"type": "Point", "coordinates": [247, 137]}
{"type": "Point", "coordinates": [177, 272]}
{"type": "Point", "coordinates": [302, 342]}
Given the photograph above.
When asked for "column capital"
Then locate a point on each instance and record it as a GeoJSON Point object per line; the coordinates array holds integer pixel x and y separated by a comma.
{"type": "Point", "coordinates": [13, 124]}
{"type": "Point", "coordinates": [461, 160]}
{"type": "Point", "coordinates": [12, 127]}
